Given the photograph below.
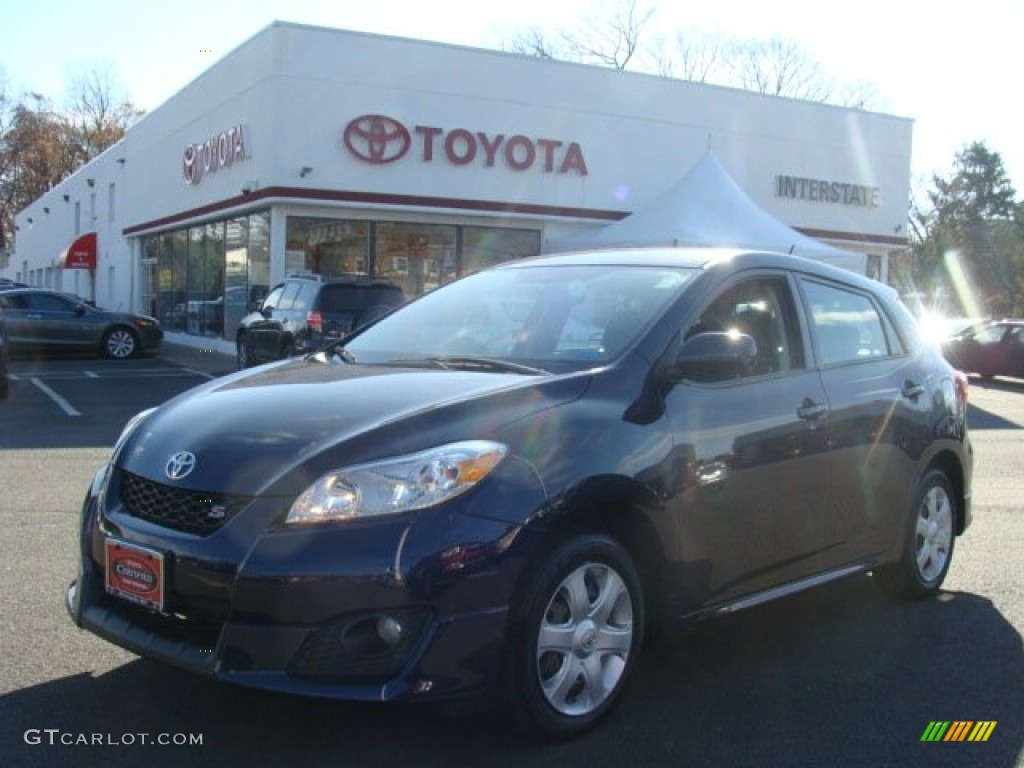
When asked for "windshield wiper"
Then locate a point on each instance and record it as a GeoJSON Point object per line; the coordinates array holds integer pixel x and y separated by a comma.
{"type": "Point", "coordinates": [469, 362]}
{"type": "Point", "coordinates": [333, 348]}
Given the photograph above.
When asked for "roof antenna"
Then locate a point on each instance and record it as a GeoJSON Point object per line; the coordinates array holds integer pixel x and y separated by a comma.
{"type": "Point", "coordinates": [709, 142]}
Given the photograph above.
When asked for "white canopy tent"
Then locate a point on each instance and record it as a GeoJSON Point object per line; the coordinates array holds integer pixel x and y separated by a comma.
{"type": "Point", "coordinates": [707, 207]}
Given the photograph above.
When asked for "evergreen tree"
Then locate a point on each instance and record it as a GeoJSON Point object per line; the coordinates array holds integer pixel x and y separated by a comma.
{"type": "Point", "coordinates": [969, 244]}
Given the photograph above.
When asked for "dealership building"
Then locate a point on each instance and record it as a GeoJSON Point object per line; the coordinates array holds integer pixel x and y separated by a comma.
{"type": "Point", "coordinates": [309, 149]}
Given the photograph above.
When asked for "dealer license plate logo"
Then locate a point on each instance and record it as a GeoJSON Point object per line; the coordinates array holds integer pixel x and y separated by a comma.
{"type": "Point", "coordinates": [135, 574]}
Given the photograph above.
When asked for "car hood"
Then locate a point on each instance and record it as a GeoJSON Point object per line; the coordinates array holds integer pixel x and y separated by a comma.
{"type": "Point", "coordinates": [274, 429]}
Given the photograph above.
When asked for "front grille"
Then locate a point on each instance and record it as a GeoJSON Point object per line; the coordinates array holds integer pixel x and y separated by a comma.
{"type": "Point", "coordinates": [195, 512]}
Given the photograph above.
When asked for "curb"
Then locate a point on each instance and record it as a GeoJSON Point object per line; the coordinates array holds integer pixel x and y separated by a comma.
{"type": "Point", "coordinates": [208, 361]}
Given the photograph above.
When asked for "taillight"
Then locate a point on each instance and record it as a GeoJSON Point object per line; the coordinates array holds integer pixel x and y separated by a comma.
{"type": "Point", "coordinates": [315, 320]}
{"type": "Point", "coordinates": [961, 388]}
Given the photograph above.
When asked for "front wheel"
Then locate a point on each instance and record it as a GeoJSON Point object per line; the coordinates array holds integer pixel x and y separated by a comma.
{"type": "Point", "coordinates": [577, 629]}
{"type": "Point", "coordinates": [120, 343]}
{"type": "Point", "coordinates": [928, 540]}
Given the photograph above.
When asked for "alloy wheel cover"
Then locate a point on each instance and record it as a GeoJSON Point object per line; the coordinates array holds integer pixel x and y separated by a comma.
{"type": "Point", "coordinates": [584, 639]}
{"type": "Point", "coordinates": [934, 533]}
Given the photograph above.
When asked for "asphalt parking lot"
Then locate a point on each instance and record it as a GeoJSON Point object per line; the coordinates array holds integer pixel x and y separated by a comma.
{"type": "Point", "coordinates": [834, 676]}
{"type": "Point", "coordinates": [87, 400]}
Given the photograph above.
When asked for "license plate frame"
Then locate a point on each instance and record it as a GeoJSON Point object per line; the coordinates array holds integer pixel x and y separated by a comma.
{"type": "Point", "coordinates": [136, 574]}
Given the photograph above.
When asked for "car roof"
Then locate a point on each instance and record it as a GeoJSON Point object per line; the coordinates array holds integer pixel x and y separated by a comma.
{"type": "Point", "coordinates": [692, 258]}
{"type": "Point", "coordinates": [345, 278]}
{"type": "Point", "coordinates": [703, 258]}
{"type": "Point", "coordinates": [42, 290]}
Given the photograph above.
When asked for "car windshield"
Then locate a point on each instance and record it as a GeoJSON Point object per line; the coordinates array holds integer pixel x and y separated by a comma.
{"type": "Point", "coordinates": [555, 318]}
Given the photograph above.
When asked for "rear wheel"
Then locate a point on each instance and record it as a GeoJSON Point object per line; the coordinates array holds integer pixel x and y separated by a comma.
{"type": "Point", "coordinates": [120, 343]}
{"type": "Point", "coordinates": [928, 540]}
{"type": "Point", "coordinates": [577, 629]}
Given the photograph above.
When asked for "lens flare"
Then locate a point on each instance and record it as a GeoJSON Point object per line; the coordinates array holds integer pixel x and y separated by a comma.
{"type": "Point", "coordinates": [962, 283]}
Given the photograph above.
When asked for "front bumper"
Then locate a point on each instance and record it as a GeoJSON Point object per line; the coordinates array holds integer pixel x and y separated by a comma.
{"type": "Point", "coordinates": [411, 607]}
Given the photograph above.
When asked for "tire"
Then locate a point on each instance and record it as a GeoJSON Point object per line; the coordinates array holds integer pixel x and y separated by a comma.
{"type": "Point", "coordinates": [928, 540]}
{"type": "Point", "coordinates": [242, 353]}
{"type": "Point", "coordinates": [576, 629]}
{"type": "Point", "coordinates": [120, 343]}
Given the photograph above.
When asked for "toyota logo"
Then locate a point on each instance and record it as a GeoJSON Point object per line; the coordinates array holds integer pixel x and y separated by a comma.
{"type": "Point", "coordinates": [377, 139]}
{"type": "Point", "coordinates": [180, 465]}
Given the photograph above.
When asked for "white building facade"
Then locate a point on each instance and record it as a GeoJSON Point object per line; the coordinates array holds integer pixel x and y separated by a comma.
{"type": "Point", "coordinates": [318, 150]}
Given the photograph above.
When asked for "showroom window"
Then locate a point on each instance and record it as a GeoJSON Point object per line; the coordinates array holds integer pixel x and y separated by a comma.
{"type": "Point", "coordinates": [418, 257]}
{"type": "Point", "coordinates": [202, 280]}
{"type": "Point", "coordinates": [326, 246]}
{"type": "Point", "coordinates": [204, 305]}
{"type": "Point", "coordinates": [484, 246]}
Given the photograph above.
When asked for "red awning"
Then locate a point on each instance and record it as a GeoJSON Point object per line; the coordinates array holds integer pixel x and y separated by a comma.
{"type": "Point", "coordinates": [81, 254]}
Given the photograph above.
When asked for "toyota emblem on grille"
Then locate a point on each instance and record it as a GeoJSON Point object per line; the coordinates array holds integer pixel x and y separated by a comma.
{"type": "Point", "coordinates": [180, 465]}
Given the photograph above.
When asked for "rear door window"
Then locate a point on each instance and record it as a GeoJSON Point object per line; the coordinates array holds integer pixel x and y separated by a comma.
{"type": "Point", "coordinates": [46, 302]}
{"type": "Point", "coordinates": [846, 324]}
{"type": "Point", "coordinates": [344, 298]}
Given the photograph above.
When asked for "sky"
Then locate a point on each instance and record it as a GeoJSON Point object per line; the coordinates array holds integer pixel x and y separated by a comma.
{"type": "Point", "coordinates": [953, 67]}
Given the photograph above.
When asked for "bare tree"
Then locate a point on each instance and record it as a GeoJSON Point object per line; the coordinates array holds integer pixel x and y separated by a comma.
{"type": "Point", "coordinates": [97, 116]}
{"type": "Point", "coordinates": [778, 67]}
{"type": "Point", "coordinates": [694, 56]}
{"type": "Point", "coordinates": [615, 41]}
{"type": "Point", "coordinates": [612, 41]}
{"type": "Point", "coordinates": [532, 42]}
{"type": "Point", "coordinates": [41, 146]}
{"type": "Point", "coordinates": [859, 94]}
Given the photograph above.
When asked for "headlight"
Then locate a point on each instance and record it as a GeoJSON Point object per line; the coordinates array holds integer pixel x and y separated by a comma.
{"type": "Point", "coordinates": [402, 484]}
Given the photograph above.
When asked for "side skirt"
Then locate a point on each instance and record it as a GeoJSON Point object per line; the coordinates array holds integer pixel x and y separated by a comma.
{"type": "Point", "coordinates": [784, 590]}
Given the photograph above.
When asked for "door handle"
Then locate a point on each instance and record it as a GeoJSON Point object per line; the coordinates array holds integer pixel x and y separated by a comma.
{"type": "Point", "coordinates": [811, 411]}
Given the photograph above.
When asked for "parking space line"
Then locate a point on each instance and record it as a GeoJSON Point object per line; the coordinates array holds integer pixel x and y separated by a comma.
{"type": "Point", "coordinates": [64, 404]}
{"type": "Point", "coordinates": [156, 373]}
{"type": "Point", "coordinates": [204, 374]}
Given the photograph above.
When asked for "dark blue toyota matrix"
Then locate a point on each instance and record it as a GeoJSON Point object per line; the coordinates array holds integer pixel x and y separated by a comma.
{"type": "Point", "coordinates": [499, 485]}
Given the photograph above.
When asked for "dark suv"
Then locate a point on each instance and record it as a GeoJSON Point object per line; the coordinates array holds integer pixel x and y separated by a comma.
{"type": "Point", "coordinates": [306, 311]}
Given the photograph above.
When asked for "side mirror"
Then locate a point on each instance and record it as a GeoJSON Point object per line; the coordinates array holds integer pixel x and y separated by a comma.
{"type": "Point", "coordinates": [713, 356]}
{"type": "Point", "coordinates": [79, 310]}
{"type": "Point", "coordinates": [266, 311]}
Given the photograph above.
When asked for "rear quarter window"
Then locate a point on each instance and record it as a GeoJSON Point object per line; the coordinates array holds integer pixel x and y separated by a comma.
{"type": "Point", "coordinates": [357, 298]}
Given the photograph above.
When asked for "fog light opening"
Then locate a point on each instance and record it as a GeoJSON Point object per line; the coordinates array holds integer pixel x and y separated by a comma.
{"type": "Point", "coordinates": [390, 630]}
